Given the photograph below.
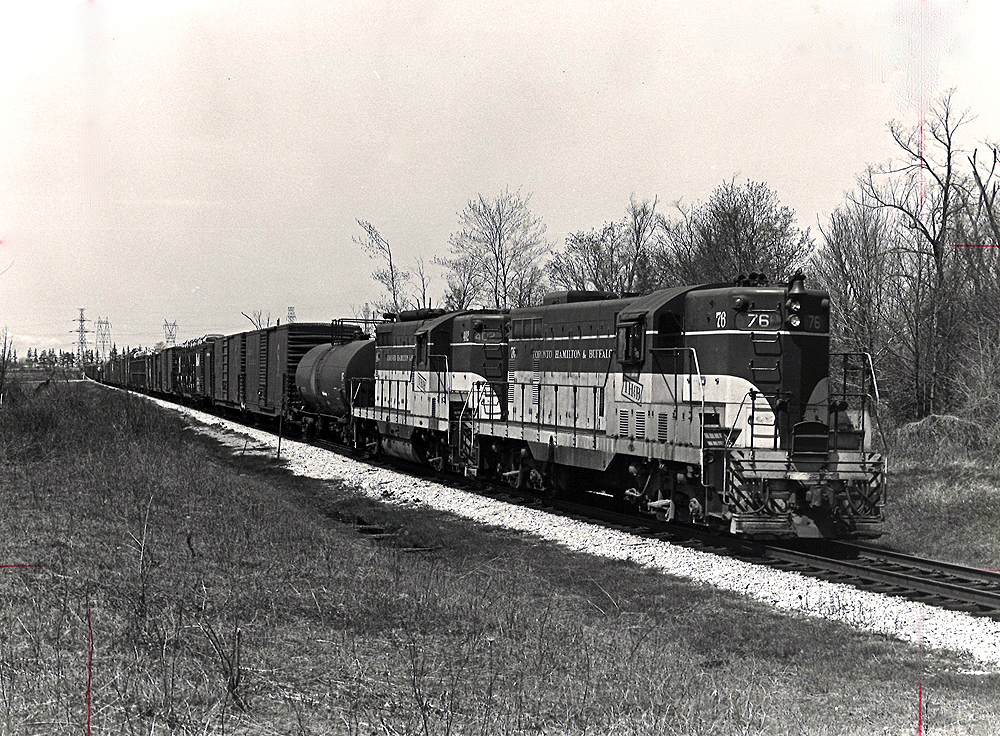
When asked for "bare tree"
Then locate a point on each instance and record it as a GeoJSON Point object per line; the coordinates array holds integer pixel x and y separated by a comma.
{"type": "Point", "coordinates": [258, 319]}
{"type": "Point", "coordinates": [924, 187]}
{"type": "Point", "coordinates": [591, 261]}
{"type": "Point", "coordinates": [392, 278]}
{"type": "Point", "coordinates": [640, 226]}
{"type": "Point", "coordinates": [987, 185]}
{"type": "Point", "coordinates": [858, 265]}
{"type": "Point", "coordinates": [463, 282]}
{"type": "Point", "coordinates": [929, 195]}
{"type": "Point", "coordinates": [615, 258]}
{"type": "Point", "coordinates": [421, 284]}
{"type": "Point", "coordinates": [494, 254]}
{"type": "Point", "coordinates": [741, 229]}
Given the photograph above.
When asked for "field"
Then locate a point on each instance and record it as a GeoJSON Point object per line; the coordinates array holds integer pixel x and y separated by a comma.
{"type": "Point", "coordinates": [192, 591]}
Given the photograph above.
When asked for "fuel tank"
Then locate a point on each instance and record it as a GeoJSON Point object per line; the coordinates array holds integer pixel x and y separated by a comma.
{"type": "Point", "coordinates": [324, 377]}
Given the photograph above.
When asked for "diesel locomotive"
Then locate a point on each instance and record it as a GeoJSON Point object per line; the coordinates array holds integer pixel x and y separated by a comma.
{"type": "Point", "coordinates": [718, 405]}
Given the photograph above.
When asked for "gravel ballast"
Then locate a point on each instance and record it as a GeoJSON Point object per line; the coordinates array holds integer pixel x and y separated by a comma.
{"type": "Point", "coordinates": [910, 621]}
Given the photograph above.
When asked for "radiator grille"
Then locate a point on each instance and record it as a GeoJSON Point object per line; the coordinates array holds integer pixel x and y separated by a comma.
{"type": "Point", "coordinates": [640, 425]}
{"type": "Point", "coordinates": [662, 427]}
{"type": "Point", "coordinates": [623, 421]}
{"type": "Point", "coordinates": [536, 379]}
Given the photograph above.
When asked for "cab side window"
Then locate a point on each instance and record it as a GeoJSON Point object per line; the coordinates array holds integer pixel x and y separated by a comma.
{"type": "Point", "coordinates": [630, 342]}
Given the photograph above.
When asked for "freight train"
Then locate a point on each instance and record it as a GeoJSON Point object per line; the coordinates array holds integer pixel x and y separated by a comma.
{"type": "Point", "coordinates": [718, 405]}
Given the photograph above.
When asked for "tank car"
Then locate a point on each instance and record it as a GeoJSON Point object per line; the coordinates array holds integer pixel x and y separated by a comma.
{"type": "Point", "coordinates": [332, 380]}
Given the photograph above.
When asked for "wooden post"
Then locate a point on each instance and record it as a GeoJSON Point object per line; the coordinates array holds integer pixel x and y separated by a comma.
{"type": "Point", "coordinates": [281, 417]}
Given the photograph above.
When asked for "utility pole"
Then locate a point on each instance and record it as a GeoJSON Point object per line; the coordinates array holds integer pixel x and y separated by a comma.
{"type": "Point", "coordinates": [290, 319]}
{"type": "Point", "coordinates": [103, 337]}
{"type": "Point", "coordinates": [170, 332]}
{"type": "Point", "coordinates": [81, 336]}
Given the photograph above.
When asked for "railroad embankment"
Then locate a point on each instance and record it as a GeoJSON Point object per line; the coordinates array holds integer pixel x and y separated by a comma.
{"type": "Point", "coordinates": [175, 586]}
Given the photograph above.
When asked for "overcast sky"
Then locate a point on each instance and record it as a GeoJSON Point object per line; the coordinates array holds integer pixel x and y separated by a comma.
{"type": "Point", "coordinates": [191, 160]}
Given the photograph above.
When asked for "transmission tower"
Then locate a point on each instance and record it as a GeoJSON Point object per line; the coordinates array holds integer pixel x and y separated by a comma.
{"type": "Point", "coordinates": [81, 336]}
{"type": "Point", "coordinates": [291, 315]}
{"type": "Point", "coordinates": [103, 337]}
{"type": "Point", "coordinates": [170, 332]}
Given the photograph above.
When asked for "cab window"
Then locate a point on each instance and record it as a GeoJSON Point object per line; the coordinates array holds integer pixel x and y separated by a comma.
{"type": "Point", "coordinates": [630, 345]}
{"type": "Point", "coordinates": [422, 349]}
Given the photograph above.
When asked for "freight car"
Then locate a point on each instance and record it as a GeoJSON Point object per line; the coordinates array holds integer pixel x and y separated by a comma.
{"type": "Point", "coordinates": [718, 405]}
{"type": "Point", "coordinates": [249, 373]}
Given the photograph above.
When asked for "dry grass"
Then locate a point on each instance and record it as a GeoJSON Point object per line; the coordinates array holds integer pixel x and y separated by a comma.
{"type": "Point", "coordinates": [233, 602]}
{"type": "Point", "coordinates": [944, 492]}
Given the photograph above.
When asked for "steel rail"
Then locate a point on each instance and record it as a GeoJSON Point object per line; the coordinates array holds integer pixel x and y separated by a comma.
{"type": "Point", "coordinates": [961, 590]}
{"type": "Point", "coordinates": [943, 584]}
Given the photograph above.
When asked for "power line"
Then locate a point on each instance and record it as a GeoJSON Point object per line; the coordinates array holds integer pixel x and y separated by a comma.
{"type": "Point", "coordinates": [103, 337]}
{"type": "Point", "coordinates": [81, 332]}
{"type": "Point", "coordinates": [170, 332]}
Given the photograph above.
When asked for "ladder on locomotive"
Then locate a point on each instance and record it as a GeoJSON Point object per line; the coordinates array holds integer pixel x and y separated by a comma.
{"type": "Point", "coordinates": [767, 350]}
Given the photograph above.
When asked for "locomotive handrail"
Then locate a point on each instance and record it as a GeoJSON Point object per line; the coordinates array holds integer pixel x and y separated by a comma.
{"type": "Point", "coordinates": [868, 392]}
{"type": "Point", "coordinates": [736, 418]}
{"type": "Point", "coordinates": [867, 360]}
{"type": "Point", "coordinates": [696, 365]}
{"type": "Point", "coordinates": [445, 372]}
{"type": "Point", "coordinates": [871, 371]}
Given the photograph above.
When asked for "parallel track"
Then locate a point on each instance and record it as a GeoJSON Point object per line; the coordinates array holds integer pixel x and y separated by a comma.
{"type": "Point", "coordinates": [941, 584]}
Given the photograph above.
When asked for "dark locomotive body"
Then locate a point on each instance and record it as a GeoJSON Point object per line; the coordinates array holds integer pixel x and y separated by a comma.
{"type": "Point", "coordinates": [718, 404]}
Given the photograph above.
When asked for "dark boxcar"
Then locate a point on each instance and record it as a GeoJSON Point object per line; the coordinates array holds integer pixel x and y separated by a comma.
{"type": "Point", "coordinates": [161, 370]}
{"type": "Point", "coordinates": [137, 367]}
{"type": "Point", "coordinates": [230, 371]}
{"type": "Point", "coordinates": [195, 377]}
{"type": "Point", "coordinates": [272, 355]}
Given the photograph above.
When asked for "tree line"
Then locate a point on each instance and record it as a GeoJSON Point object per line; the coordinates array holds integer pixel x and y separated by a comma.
{"type": "Point", "coordinates": [497, 258]}
{"type": "Point", "coordinates": [910, 260]}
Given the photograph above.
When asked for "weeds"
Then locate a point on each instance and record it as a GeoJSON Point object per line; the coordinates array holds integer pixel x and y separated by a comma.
{"type": "Point", "coordinates": [943, 485]}
{"type": "Point", "coordinates": [229, 603]}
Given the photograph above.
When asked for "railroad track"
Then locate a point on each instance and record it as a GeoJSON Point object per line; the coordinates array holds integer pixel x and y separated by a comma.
{"type": "Point", "coordinates": [936, 583]}
{"type": "Point", "coordinates": [941, 584]}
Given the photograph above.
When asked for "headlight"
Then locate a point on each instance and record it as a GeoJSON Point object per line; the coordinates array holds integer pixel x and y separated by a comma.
{"type": "Point", "coordinates": [794, 305]}
{"type": "Point", "coordinates": [795, 320]}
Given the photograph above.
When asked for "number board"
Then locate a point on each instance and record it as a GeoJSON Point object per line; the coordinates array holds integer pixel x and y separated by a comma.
{"type": "Point", "coordinates": [758, 320]}
{"type": "Point", "coordinates": [815, 322]}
